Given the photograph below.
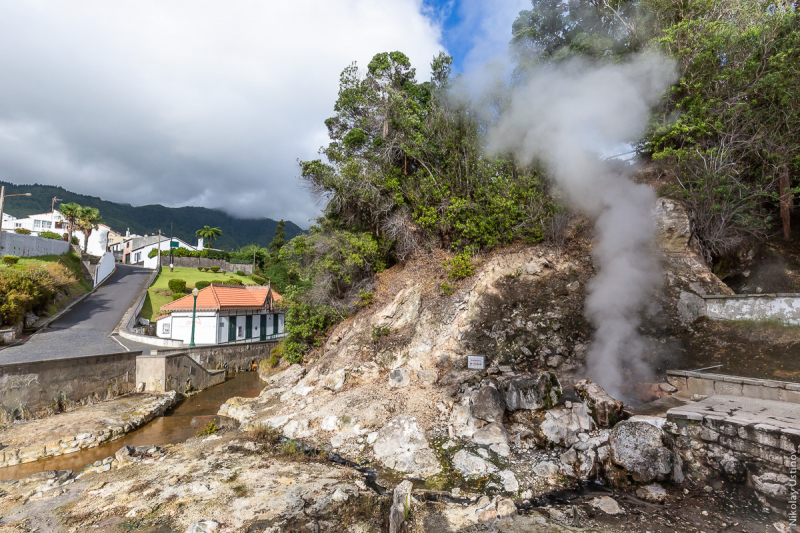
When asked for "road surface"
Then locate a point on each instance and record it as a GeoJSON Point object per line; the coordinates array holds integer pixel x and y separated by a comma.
{"type": "Point", "coordinates": [85, 329]}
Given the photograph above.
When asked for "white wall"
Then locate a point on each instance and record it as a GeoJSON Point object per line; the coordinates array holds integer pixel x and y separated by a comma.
{"type": "Point", "coordinates": [152, 262]}
{"type": "Point", "coordinates": [783, 307]}
{"type": "Point", "coordinates": [104, 268]}
{"type": "Point", "coordinates": [30, 245]}
{"type": "Point", "coordinates": [180, 325]}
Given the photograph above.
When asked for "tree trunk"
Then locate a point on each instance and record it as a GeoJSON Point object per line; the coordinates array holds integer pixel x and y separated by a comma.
{"type": "Point", "coordinates": [87, 233]}
{"type": "Point", "coordinates": [786, 201]}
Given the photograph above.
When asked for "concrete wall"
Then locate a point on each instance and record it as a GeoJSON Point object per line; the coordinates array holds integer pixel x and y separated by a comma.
{"type": "Point", "coordinates": [784, 307]}
{"type": "Point", "coordinates": [177, 371]}
{"type": "Point", "coordinates": [689, 383]}
{"type": "Point", "coordinates": [240, 355]}
{"type": "Point", "coordinates": [194, 262]}
{"type": "Point", "coordinates": [104, 268]}
{"type": "Point", "coordinates": [30, 246]}
{"type": "Point", "coordinates": [8, 335]}
{"type": "Point", "coordinates": [32, 388]}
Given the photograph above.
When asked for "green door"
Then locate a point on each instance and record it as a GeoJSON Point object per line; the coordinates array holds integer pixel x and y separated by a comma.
{"type": "Point", "coordinates": [275, 324]}
{"type": "Point", "coordinates": [248, 327]}
{"type": "Point", "coordinates": [231, 329]}
{"type": "Point", "coordinates": [263, 330]}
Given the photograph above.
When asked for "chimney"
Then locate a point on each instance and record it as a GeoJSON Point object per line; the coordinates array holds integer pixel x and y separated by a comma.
{"type": "Point", "coordinates": [200, 243]}
{"type": "Point", "coordinates": [127, 232]}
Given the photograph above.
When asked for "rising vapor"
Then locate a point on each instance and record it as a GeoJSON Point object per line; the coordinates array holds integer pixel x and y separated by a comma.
{"type": "Point", "coordinates": [566, 116]}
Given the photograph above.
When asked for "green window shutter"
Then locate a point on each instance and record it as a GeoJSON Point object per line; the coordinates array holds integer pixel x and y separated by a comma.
{"type": "Point", "coordinates": [263, 330]}
{"type": "Point", "coordinates": [275, 324]}
{"type": "Point", "coordinates": [231, 329]}
{"type": "Point", "coordinates": [248, 327]}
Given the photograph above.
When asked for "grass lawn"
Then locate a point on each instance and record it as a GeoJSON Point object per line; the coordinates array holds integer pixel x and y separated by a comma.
{"type": "Point", "coordinates": [159, 294]}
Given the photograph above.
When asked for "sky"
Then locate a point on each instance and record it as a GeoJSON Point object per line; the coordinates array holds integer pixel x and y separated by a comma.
{"type": "Point", "coordinates": [205, 103]}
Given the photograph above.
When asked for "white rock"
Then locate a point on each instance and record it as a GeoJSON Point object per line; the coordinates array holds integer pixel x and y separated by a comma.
{"type": "Point", "coordinates": [503, 450]}
{"type": "Point", "coordinates": [203, 526]}
{"type": "Point", "coordinates": [331, 423]}
{"type": "Point", "coordinates": [401, 445]}
{"type": "Point", "coordinates": [654, 493]}
{"type": "Point", "coordinates": [339, 496]}
{"type": "Point", "coordinates": [509, 480]}
{"type": "Point", "coordinates": [469, 465]}
{"type": "Point", "coordinates": [607, 504]}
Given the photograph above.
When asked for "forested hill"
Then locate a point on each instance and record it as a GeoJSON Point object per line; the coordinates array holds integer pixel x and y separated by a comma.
{"type": "Point", "coordinates": [149, 219]}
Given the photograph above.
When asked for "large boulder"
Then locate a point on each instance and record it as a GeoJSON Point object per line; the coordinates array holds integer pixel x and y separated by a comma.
{"type": "Point", "coordinates": [401, 445]}
{"type": "Point", "coordinates": [541, 391]}
{"type": "Point", "coordinates": [638, 447]}
{"type": "Point", "coordinates": [491, 434]}
{"type": "Point", "coordinates": [488, 403]}
{"type": "Point", "coordinates": [605, 410]}
{"type": "Point", "coordinates": [286, 378]}
{"type": "Point", "coordinates": [562, 425]}
{"type": "Point", "coordinates": [470, 465]}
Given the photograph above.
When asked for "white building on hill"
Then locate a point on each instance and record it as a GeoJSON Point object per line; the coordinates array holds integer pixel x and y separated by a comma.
{"type": "Point", "coordinates": [54, 221]}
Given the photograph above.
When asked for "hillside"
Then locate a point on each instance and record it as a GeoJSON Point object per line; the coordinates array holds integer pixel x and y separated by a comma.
{"type": "Point", "coordinates": [148, 219]}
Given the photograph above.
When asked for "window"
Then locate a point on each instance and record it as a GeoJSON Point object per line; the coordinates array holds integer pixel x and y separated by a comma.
{"type": "Point", "coordinates": [165, 328]}
{"type": "Point", "coordinates": [37, 224]}
{"type": "Point", "coordinates": [46, 224]}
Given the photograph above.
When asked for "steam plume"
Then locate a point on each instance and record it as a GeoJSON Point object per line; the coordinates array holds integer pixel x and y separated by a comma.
{"type": "Point", "coordinates": [566, 116]}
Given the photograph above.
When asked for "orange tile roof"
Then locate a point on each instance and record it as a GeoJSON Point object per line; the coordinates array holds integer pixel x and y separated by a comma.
{"type": "Point", "coordinates": [225, 298]}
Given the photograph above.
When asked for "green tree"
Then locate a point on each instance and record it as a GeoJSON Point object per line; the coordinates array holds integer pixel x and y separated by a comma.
{"type": "Point", "coordinates": [207, 232]}
{"type": "Point", "coordinates": [88, 220]}
{"type": "Point", "coordinates": [280, 238]}
{"type": "Point", "coordinates": [71, 213]}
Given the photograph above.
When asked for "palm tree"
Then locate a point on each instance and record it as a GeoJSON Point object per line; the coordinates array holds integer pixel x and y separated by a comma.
{"type": "Point", "coordinates": [71, 212]}
{"type": "Point", "coordinates": [88, 219]}
{"type": "Point", "coordinates": [207, 232]}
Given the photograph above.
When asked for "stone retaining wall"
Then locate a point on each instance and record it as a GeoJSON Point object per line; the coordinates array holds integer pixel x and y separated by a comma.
{"type": "Point", "coordinates": [194, 262]}
{"type": "Point", "coordinates": [174, 372]}
{"type": "Point", "coordinates": [236, 356]}
{"type": "Point", "coordinates": [35, 388]}
{"type": "Point", "coordinates": [11, 456]}
{"type": "Point", "coordinates": [761, 455]}
{"type": "Point", "coordinates": [783, 307]}
{"type": "Point", "coordinates": [689, 383]}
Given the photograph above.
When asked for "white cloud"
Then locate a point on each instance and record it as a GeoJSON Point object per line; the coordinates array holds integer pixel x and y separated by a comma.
{"type": "Point", "coordinates": [487, 27]}
{"type": "Point", "coordinates": [186, 102]}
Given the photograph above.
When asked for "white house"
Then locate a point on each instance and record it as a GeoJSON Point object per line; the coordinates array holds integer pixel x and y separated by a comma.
{"type": "Point", "coordinates": [54, 221]}
{"type": "Point", "coordinates": [136, 251]}
{"type": "Point", "coordinates": [224, 314]}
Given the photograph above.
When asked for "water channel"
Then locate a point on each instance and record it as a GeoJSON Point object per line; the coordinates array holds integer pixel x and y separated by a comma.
{"type": "Point", "coordinates": [177, 425]}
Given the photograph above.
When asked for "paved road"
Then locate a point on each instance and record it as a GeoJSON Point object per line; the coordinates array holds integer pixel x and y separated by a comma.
{"type": "Point", "coordinates": [85, 329]}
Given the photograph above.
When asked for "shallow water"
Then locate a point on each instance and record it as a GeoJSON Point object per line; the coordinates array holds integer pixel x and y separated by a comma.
{"type": "Point", "coordinates": [177, 425]}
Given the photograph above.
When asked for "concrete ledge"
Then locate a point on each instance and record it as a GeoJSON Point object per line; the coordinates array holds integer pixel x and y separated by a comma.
{"type": "Point", "coordinates": [776, 306]}
{"type": "Point", "coordinates": [174, 372]}
{"type": "Point", "coordinates": [689, 383]}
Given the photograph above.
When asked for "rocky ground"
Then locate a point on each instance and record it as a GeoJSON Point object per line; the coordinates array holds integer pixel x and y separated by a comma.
{"type": "Point", "coordinates": [523, 445]}
{"type": "Point", "coordinates": [72, 431]}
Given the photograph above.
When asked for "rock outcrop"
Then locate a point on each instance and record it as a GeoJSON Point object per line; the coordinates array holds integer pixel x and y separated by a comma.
{"type": "Point", "coordinates": [639, 448]}
{"type": "Point", "coordinates": [605, 410]}
{"type": "Point", "coordinates": [402, 446]}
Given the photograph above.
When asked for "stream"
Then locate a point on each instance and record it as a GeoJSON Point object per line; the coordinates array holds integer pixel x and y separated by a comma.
{"type": "Point", "coordinates": [177, 425]}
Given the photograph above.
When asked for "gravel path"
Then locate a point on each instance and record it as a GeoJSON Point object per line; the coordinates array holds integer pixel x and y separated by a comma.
{"type": "Point", "coordinates": [85, 329]}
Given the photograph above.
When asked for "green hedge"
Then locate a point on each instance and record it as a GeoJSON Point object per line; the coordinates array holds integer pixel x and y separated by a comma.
{"type": "Point", "coordinates": [209, 254]}
{"type": "Point", "coordinates": [22, 231]}
{"type": "Point", "coordinates": [200, 285]}
{"type": "Point", "coordinates": [51, 235]}
{"type": "Point", "coordinates": [177, 285]}
{"type": "Point", "coordinates": [10, 260]}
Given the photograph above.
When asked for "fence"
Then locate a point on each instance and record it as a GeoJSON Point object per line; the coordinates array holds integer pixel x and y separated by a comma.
{"type": "Point", "coordinates": [30, 245]}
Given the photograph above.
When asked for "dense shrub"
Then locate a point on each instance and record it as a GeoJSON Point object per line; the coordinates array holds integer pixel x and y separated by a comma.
{"type": "Point", "coordinates": [152, 253]}
{"type": "Point", "coordinates": [50, 235]}
{"type": "Point", "coordinates": [306, 326]}
{"type": "Point", "coordinates": [240, 273]}
{"type": "Point", "coordinates": [75, 240]}
{"type": "Point", "coordinates": [10, 260]}
{"type": "Point", "coordinates": [460, 266]}
{"type": "Point", "coordinates": [200, 285]}
{"type": "Point", "coordinates": [258, 279]}
{"type": "Point", "coordinates": [233, 281]}
{"type": "Point", "coordinates": [22, 231]}
{"type": "Point", "coordinates": [177, 285]}
{"type": "Point", "coordinates": [177, 295]}
{"type": "Point", "coordinates": [30, 288]}
{"type": "Point", "coordinates": [209, 254]}
{"type": "Point", "coordinates": [200, 268]}
{"type": "Point", "coordinates": [215, 269]}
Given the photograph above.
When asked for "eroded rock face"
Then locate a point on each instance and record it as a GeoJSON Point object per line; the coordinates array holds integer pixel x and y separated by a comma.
{"type": "Point", "coordinates": [639, 448]}
{"type": "Point", "coordinates": [562, 425]}
{"type": "Point", "coordinates": [401, 445]}
{"type": "Point", "coordinates": [491, 434]}
{"type": "Point", "coordinates": [541, 391]}
{"type": "Point", "coordinates": [605, 410]}
{"type": "Point", "coordinates": [488, 403]}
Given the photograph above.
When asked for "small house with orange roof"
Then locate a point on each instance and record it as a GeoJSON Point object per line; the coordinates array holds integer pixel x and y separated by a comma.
{"type": "Point", "coordinates": [223, 314]}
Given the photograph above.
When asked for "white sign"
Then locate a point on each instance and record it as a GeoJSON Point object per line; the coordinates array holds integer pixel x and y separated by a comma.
{"type": "Point", "coordinates": [476, 362]}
